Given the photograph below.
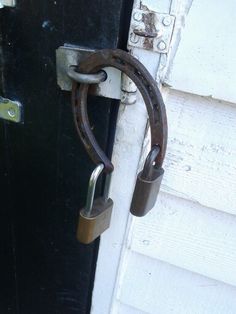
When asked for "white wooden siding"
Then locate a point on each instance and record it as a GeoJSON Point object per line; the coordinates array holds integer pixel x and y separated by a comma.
{"type": "Point", "coordinates": [190, 236]}
{"type": "Point", "coordinates": [201, 156]}
{"type": "Point", "coordinates": [181, 257]}
{"type": "Point", "coordinates": [155, 287]}
{"type": "Point", "coordinates": [206, 59]}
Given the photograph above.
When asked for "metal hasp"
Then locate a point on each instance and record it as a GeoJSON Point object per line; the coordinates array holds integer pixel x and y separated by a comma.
{"type": "Point", "coordinates": [11, 110]}
{"type": "Point", "coordinates": [7, 3]}
{"type": "Point", "coordinates": [95, 218]}
{"type": "Point", "coordinates": [151, 30]}
{"type": "Point", "coordinates": [152, 98]}
{"type": "Point", "coordinates": [68, 59]}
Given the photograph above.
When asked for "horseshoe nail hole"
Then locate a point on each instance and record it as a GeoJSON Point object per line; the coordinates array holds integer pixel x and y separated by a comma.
{"type": "Point", "coordinates": [120, 61]}
{"type": "Point", "coordinates": [156, 116]}
{"type": "Point", "coordinates": [138, 73]}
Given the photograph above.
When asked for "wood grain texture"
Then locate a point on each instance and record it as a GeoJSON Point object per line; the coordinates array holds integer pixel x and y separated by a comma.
{"type": "Point", "coordinates": [154, 287]}
{"type": "Point", "coordinates": [201, 155]}
{"type": "Point", "coordinates": [206, 58]}
{"type": "Point", "coordinates": [190, 236]}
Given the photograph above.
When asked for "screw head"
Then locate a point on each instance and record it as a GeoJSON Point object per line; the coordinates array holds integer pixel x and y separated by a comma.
{"type": "Point", "coordinates": [11, 112]}
{"type": "Point", "coordinates": [167, 21]}
{"type": "Point", "coordinates": [162, 45]}
{"type": "Point", "coordinates": [137, 16]}
{"type": "Point", "coordinates": [134, 38]}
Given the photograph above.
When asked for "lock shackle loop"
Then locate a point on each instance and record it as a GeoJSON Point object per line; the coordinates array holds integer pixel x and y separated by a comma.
{"type": "Point", "coordinates": [147, 86]}
{"type": "Point", "coordinates": [95, 78]}
{"type": "Point", "coordinates": [150, 163]}
{"type": "Point", "coordinates": [91, 189]}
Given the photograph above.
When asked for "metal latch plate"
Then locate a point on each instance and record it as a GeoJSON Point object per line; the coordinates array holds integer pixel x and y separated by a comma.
{"type": "Point", "coordinates": [151, 30]}
{"type": "Point", "coordinates": [11, 110]}
{"type": "Point", "coordinates": [67, 56]}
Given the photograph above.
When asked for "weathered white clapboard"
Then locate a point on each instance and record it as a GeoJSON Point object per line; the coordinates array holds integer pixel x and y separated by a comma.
{"type": "Point", "coordinates": [180, 258]}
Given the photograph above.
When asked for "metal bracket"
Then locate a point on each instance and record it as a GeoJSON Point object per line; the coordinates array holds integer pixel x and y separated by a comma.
{"type": "Point", "coordinates": [151, 30]}
{"type": "Point", "coordinates": [11, 110]}
{"type": "Point", "coordinates": [67, 56]}
{"type": "Point", "coordinates": [7, 3]}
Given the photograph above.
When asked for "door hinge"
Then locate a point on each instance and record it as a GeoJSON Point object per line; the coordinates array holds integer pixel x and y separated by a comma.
{"type": "Point", "coordinates": [151, 30]}
{"type": "Point", "coordinates": [7, 3]}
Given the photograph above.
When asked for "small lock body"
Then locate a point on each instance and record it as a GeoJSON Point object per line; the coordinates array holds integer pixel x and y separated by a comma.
{"type": "Point", "coordinates": [146, 192]}
{"type": "Point", "coordinates": [147, 185]}
{"type": "Point", "coordinates": [95, 217]}
{"type": "Point", "coordinates": [89, 228]}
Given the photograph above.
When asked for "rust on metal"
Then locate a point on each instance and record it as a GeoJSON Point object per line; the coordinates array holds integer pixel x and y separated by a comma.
{"type": "Point", "coordinates": [149, 30]}
{"type": "Point", "coordinates": [148, 88]}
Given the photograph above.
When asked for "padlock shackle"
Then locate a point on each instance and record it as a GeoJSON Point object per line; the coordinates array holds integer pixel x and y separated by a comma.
{"type": "Point", "coordinates": [148, 88]}
{"type": "Point", "coordinates": [91, 189]}
{"type": "Point", "coordinates": [150, 163]}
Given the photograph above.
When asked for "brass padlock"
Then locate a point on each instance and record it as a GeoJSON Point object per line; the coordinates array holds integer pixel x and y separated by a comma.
{"type": "Point", "coordinates": [147, 185]}
{"type": "Point", "coordinates": [96, 216]}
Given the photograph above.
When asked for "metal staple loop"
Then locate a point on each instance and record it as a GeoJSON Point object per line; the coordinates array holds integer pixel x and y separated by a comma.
{"type": "Point", "coordinates": [82, 78]}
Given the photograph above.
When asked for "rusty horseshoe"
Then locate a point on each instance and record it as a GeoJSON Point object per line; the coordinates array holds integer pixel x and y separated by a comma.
{"type": "Point", "coordinates": [148, 88]}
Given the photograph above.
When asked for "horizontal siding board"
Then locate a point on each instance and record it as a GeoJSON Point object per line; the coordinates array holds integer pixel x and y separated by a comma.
{"type": "Point", "coordinates": [201, 156]}
{"type": "Point", "coordinates": [156, 287]}
{"type": "Point", "coordinates": [189, 236]}
{"type": "Point", "coordinates": [206, 58]}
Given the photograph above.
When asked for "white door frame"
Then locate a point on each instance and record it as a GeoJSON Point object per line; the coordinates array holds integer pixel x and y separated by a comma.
{"type": "Point", "coordinates": [131, 143]}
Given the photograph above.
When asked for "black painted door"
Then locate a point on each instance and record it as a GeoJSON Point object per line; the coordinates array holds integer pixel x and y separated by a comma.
{"type": "Point", "coordinates": [44, 169]}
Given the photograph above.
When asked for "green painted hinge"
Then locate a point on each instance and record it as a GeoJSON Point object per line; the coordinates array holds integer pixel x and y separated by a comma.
{"type": "Point", "coordinates": [11, 110]}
